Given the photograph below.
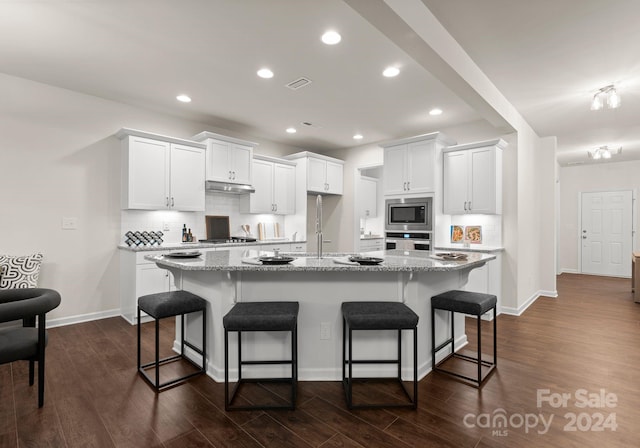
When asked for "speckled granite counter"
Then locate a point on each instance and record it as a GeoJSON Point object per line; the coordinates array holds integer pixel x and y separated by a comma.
{"type": "Point", "coordinates": [394, 261]}
{"type": "Point", "coordinates": [481, 249]}
{"type": "Point", "coordinates": [319, 286]}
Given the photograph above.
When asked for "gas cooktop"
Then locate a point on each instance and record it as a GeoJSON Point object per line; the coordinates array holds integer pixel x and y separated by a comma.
{"type": "Point", "coordinates": [233, 239]}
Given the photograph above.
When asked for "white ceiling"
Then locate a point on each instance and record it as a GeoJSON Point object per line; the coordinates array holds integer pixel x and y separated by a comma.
{"type": "Point", "coordinates": [547, 57]}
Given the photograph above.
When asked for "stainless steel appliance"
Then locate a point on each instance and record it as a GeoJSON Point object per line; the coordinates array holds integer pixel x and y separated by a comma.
{"type": "Point", "coordinates": [409, 215]}
{"type": "Point", "coordinates": [408, 240]}
{"type": "Point", "coordinates": [218, 231]}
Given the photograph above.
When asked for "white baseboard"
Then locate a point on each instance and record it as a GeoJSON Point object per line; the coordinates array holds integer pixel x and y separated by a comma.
{"type": "Point", "coordinates": [522, 308]}
{"type": "Point", "coordinates": [62, 321]}
{"type": "Point", "coordinates": [569, 271]}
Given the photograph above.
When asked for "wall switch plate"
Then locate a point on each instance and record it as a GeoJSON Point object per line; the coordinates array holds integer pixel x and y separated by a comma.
{"type": "Point", "coordinates": [69, 223]}
{"type": "Point", "coordinates": [165, 227]}
{"type": "Point", "coordinates": [325, 330]}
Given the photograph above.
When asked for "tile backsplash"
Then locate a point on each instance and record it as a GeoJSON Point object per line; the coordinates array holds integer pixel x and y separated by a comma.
{"type": "Point", "coordinates": [491, 229]}
{"type": "Point", "coordinates": [171, 222]}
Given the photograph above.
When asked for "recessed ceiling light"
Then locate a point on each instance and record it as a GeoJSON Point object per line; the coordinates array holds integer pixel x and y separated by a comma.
{"type": "Point", "coordinates": [265, 73]}
{"type": "Point", "coordinates": [435, 111]}
{"type": "Point", "coordinates": [390, 72]}
{"type": "Point", "coordinates": [357, 137]}
{"type": "Point", "coordinates": [331, 38]}
{"type": "Point", "coordinates": [184, 98]}
{"type": "Point", "coordinates": [291, 130]}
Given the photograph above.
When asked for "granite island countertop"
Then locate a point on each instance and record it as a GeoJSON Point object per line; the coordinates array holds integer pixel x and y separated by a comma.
{"type": "Point", "coordinates": [199, 245]}
{"type": "Point", "coordinates": [394, 261]}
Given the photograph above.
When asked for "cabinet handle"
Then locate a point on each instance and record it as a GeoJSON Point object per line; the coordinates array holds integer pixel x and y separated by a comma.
{"type": "Point", "coordinates": [465, 205]}
{"type": "Point", "coordinates": [469, 205]}
{"type": "Point", "coordinates": [172, 201]}
{"type": "Point", "coordinates": [167, 201]}
{"type": "Point", "coordinates": [234, 175]}
{"type": "Point", "coordinates": [229, 175]}
{"type": "Point", "coordinates": [276, 206]}
{"type": "Point", "coordinates": [408, 186]}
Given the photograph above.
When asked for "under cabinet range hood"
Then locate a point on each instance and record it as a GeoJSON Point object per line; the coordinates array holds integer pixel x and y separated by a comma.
{"type": "Point", "coordinates": [225, 187]}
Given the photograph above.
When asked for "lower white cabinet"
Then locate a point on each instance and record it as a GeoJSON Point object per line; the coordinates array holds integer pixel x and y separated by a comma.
{"type": "Point", "coordinates": [371, 244]}
{"type": "Point", "coordinates": [139, 277]}
{"type": "Point", "coordinates": [284, 247]}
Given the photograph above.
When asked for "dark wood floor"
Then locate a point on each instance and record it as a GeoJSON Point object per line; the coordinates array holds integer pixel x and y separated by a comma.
{"type": "Point", "coordinates": [586, 341]}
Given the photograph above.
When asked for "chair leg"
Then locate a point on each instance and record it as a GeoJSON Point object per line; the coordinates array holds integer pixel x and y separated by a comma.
{"type": "Point", "coordinates": [41, 348]}
{"type": "Point", "coordinates": [157, 353]}
{"type": "Point", "coordinates": [495, 337]}
{"type": "Point", "coordinates": [31, 370]}
{"type": "Point", "coordinates": [479, 319]}
{"type": "Point", "coordinates": [433, 338]}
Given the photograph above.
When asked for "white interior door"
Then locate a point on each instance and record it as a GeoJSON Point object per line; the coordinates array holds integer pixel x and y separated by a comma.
{"type": "Point", "coordinates": [606, 233]}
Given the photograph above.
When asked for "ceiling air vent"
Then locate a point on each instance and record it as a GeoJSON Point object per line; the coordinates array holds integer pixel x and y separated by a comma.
{"type": "Point", "coordinates": [298, 83]}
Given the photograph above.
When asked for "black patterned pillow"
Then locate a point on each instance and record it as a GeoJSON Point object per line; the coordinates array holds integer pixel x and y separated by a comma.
{"type": "Point", "coordinates": [20, 271]}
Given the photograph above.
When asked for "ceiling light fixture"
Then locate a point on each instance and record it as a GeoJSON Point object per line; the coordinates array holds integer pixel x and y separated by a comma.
{"type": "Point", "coordinates": [265, 73]}
{"type": "Point", "coordinates": [331, 38]}
{"type": "Point", "coordinates": [390, 72]}
{"type": "Point", "coordinates": [184, 98]}
{"type": "Point", "coordinates": [358, 137]}
{"type": "Point", "coordinates": [604, 152]}
{"type": "Point", "coordinates": [291, 130]}
{"type": "Point", "coordinates": [435, 111]}
{"type": "Point", "coordinates": [606, 95]}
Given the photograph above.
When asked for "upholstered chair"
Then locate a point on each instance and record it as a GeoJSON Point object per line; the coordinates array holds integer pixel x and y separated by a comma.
{"type": "Point", "coordinates": [26, 342]}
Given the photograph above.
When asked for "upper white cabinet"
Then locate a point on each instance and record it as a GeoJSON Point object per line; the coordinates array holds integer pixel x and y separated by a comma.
{"type": "Point", "coordinates": [324, 175]}
{"type": "Point", "coordinates": [368, 197]}
{"type": "Point", "coordinates": [228, 158]}
{"type": "Point", "coordinates": [473, 178]}
{"type": "Point", "coordinates": [410, 164]}
{"type": "Point", "coordinates": [274, 183]}
{"type": "Point", "coordinates": [160, 172]}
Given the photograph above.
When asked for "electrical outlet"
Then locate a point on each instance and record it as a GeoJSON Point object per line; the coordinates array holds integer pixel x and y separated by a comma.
{"type": "Point", "coordinates": [325, 330]}
{"type": "Point", "coordinates": [69, 223]}
{"type": "Point", "coordinates": [165, 227]}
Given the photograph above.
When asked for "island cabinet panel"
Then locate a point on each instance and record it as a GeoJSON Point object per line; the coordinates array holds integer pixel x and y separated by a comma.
{"type": "Point", "coordinates": [274, 184]}
{"type": "Point", "coordinates": [161, 173]}
{"type": "Point", "coordinates": [410, 164]}
{"type": "Point", "coordinates": [473, 178]}
{"type": "Point", "coordinates": [228, 159]}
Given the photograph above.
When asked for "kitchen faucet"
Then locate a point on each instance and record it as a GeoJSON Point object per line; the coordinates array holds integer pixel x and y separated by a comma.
{"type": "Point", "coordinates": [319, 224]}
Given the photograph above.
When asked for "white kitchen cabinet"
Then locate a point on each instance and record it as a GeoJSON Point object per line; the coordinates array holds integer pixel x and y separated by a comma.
{"type": "Point", "coordinates": [368, 197]}
{"type": "Point", "coordinates": [473, 178]}
{"type": "Point", "coordinates": [284, 247]}
{"type": "Point", "coordinates": [139, 277]}
{"type": "Point", "coordinates": [228, 159]}
{"type": "Point", "coordinates": [274, 184]}
{"type": "Point", "coordinates": [324, 175]}
{"type": "Point", "coordinates": [371, 244]}
{"type": "Point", "coordinates": [410, 164]}
{"type": "Point", "coordinates": [160, 172]}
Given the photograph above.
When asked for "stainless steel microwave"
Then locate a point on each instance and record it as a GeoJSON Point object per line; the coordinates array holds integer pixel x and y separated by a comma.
{"type": "Point", "coordinates": [415, 214]}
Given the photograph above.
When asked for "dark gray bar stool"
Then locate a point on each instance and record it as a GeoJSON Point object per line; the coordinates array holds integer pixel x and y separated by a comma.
{"type": "Point", "coordinates": [472, 303]}
{"type": "Point", "coordinates": [261, 316]}
{"type": "Point", "coordinates": [168, 304]}
{"type": "Point", "coordinates": [378, 316]}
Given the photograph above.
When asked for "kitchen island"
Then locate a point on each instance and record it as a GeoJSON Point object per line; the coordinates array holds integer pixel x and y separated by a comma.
{"type": "Point", "coordinates": [320, 286]}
